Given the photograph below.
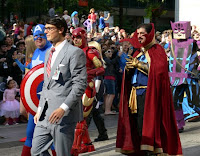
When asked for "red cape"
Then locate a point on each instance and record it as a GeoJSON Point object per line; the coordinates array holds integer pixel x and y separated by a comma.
{"type": "Point", "coordinates": [160, 133]}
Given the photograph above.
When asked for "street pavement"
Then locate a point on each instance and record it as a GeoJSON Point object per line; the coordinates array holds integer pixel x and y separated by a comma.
{"type": "Point", "coordinates": [10, 135]}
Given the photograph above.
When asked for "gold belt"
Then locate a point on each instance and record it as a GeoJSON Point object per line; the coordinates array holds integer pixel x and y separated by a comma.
{"type": "Point", "coordinates": [133, 98]}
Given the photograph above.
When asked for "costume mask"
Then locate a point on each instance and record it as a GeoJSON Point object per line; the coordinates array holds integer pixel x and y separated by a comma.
{"type": "Point", "coordinates": [39, 32]}
{"type": "Point", "coordinates": [181, 30]}
{"type": "Point", "coordinates": [81, 33]}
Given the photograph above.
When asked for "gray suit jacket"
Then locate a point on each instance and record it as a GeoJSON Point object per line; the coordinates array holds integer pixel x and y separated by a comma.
{"type": "Point", "coordinates": [68, 89]}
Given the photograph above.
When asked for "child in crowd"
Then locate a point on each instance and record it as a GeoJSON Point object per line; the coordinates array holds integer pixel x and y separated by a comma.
{"type": "Point", "coordinates": [10, 106]}
{"type": "Point", "coordinates": [92, 17]}
{"type": "Point", "coordinates": [102, 20]}
{"type": "Point", "coordinates": [75, 19]}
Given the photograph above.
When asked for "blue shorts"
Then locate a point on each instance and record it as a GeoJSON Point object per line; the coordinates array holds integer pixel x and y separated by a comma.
{"type": "Point", "coordinates": [93, 25]}
{"type": "Point", "coordinates": [110, 86]}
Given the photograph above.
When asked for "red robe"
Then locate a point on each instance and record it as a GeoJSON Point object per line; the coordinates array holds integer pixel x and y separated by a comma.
{"type": "Point", "coordinates": [159, 133]}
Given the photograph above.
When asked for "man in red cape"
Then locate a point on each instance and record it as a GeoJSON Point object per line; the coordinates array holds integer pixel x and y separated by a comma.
{"type": "Point", "coordinates": [159, 132]}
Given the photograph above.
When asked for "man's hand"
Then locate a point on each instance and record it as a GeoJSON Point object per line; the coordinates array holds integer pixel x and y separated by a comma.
{"type": "Point", "coordinates": [56, 115]}
{"type": "Point", "coordinates": [2, 59]}
{"type": "Point", "coordinates": [36, 118]}
{"type": "Point", "coordinates": [15, 56]}
{"type": "Point", "coordinates": [120, 53]}
{"type": "Point", "coordinates": [131, 62]}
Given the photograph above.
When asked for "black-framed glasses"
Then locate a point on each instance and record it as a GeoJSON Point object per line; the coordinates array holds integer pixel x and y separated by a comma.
{"type": "Point", "coordinates": [49, 28]}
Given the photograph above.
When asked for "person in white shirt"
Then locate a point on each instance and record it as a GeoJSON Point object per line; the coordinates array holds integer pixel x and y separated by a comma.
{"type": "Point", "coordinates": [67, 18]}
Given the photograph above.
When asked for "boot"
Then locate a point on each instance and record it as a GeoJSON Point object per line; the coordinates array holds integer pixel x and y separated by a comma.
{"type": "Point", "coordinates": [53, 152]}
{"type": "Point", "coordinates": [26, 151]}
{"type": "Point", "coordinates": [180, 119]}
{"type": "Point", "coordinates": [23, 139]}
{"type": "Point", "coordinates": [78, 136]}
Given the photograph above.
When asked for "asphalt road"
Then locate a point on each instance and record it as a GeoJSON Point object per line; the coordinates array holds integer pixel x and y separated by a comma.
{"type": "Point", "coordinates": [10, 146]}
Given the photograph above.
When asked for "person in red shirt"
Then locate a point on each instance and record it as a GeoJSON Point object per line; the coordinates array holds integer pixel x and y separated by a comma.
{"type": "Point", "coordinates": [29, 29]}
{"type": "Point", "coordinates": [92, 17]}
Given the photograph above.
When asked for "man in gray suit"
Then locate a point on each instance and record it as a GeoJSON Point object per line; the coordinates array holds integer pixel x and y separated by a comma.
{"type": "Point", "coordinates": [65, 81]}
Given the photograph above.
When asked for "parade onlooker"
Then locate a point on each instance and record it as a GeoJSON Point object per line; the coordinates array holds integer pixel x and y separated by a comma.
{"type": "Point", "coordinates": [52, 11]}
{"type": "Point", "coordinates": [16, 72]}
{"type": "Point", "coordinates": [109, 79]}
{"type": "Point", "coordinates": [10, 106]}
{"type": "Point", "coordinates": [122, 62]}
{"type": "Point", "coordinates": [25, 29]}
{"type": "Point", "coordinates": [3, 65]}
{"type": "Point", "coordinates": [11, 48]}
{"type": "Point", "coordinates": [3, 61]}
{"type": "Point", "coordinates": [196, 35]}
{"type": "Point", "coordinates": [29, 30]}
{"type": "Point", "coordinates": [30, 48]}
{"type": "Point", "coordinates": [102, 20]}
{"type": "Point", "coordinates": [123, 34]}
{"type": "Point", "coordinates": [117, 33]}
{"type": "Point", "coordinates": [75, 19]}
{"type": "Point", "coordinates": [20, 37]}
{"type": "Point", "coordinates": [18, 27]}
{"type": "Point", "coordinates": [21, 51]}
{"type": "Point", "coordinates": [89, 37]}
{"type": "Point", "coordinates": [82, 20]}
{"type": "Point", "coordinates": [68, 37]}
{"type": "Point", "coordinates": [87, 25]}
{"type": "Point", "coordinates": [106, 33]}
{"type": "Point", "coordinates": [67, 18]}
{"type": "Point", "coordinates": [92, 17]}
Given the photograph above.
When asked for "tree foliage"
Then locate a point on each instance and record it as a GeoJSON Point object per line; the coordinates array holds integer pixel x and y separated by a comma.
{"type": "Point", "coordinates": [39, 7]}
{"type": "Point", "coordinates": [155, 10]}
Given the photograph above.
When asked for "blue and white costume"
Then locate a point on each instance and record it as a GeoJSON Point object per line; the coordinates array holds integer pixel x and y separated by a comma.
{"type": "Point", "coordinates": [38, 58]}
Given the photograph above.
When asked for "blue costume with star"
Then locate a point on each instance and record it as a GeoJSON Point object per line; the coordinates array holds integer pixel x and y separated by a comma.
{"type": "Point", "coordinates": [38, 58]}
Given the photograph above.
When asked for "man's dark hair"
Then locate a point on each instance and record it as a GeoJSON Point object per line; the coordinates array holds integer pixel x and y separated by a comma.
{"type": "Point", "coordinates": [147, 27]}
{"type": "Point", "coordinates": [59, 22]}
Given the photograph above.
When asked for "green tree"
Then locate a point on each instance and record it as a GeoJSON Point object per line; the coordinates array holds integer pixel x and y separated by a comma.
{"type": "Point", "coordinates": [27, 8]}
{"type": "Point", "coordinates": [154, 10]}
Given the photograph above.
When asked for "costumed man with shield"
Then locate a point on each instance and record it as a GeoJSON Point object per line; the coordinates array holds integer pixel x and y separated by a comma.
{"type": "Point", "coordinates": [32, 84]}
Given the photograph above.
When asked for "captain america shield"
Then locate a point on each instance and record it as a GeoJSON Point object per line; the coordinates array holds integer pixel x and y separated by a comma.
{"type": "Point", "coordinates": [31, 88]}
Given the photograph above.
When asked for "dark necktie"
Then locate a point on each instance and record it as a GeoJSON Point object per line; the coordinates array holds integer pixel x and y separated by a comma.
{"type": "Point", "coordinates": [49, 62]}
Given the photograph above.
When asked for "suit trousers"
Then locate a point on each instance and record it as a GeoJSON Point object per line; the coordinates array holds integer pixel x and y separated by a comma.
{"type": "Point", "coordinates": [61, 135]}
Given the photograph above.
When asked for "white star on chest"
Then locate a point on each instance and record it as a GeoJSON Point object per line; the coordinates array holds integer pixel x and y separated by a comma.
{"type": "Point", "coordinates": [36, 61]}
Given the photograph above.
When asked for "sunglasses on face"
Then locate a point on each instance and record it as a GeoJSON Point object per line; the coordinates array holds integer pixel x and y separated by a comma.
{"type": "Point", "coordinates": [108, 51]}
{"type": "Point", "coordinates": [112, 48]}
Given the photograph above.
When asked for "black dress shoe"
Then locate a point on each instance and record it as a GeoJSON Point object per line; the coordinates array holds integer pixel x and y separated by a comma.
{"type": "Point", "coordinates": [102, 138]}
{"type": "Point", "coordinates": [181, 130]}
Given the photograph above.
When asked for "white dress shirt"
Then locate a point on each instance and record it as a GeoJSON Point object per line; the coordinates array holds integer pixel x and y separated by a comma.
{"type": "Point", "coordinates": [55, 54]}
